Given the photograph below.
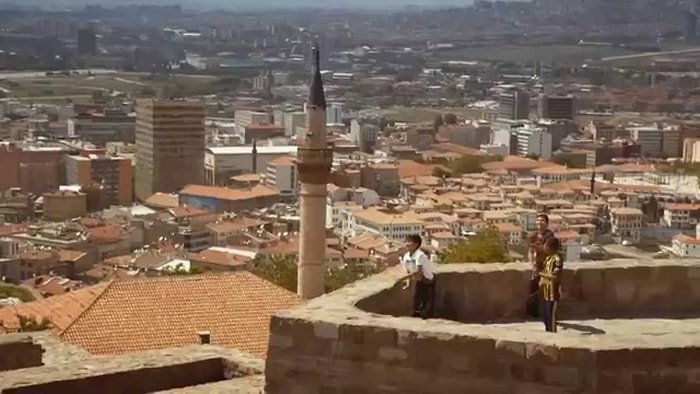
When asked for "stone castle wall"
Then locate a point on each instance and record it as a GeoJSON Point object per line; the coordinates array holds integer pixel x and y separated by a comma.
{"type": "Point", "coordinates": [19, 351]}
{"type": "Point", "coordinates": [604, 289]}
{"type": "Point", "coordinates": [331, 345]}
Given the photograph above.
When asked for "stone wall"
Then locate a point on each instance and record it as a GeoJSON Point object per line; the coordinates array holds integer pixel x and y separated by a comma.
{"type": "Point", "coordinates": [134, 373]}
{"type": "Point", "coordinates": [19, 351]}
{"type": "Point", "coordinates": [331, 346]}
{"type": "Point", "coordinates": [603, 289]}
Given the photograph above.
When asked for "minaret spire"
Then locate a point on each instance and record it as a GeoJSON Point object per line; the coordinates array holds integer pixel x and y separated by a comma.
{"type": "Point", "coordinates": [316, 95]}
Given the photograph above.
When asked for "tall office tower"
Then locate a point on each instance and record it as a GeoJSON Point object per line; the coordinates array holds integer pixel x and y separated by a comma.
{"type": "Point", "coordinates": [556, 107]}
{"type": "Point", "coordinates": [514, 104]}
{"type": "Point", "coordinates": [170, 144]}
{"type": "Point", "coordinates": [314, 159]}
{"type": "Point", "coordinates": [334, 114]}
{"type": "Point", "coordinates": [87, 41]}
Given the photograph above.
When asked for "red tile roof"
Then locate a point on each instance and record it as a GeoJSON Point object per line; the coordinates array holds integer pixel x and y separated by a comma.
{"type": "Point", "coordinates": [60, 310]}
{"type": "Point", "coordinates": [224, 193]}
{"type": "Point", "coordinates": [157, 313]}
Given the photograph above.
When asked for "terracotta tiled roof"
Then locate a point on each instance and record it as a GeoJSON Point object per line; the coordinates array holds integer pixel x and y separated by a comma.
{"type": "Point", "coordinates": [61, 310]}
{"type": "Point", "coordinates": [162, 200]}
{"type": "Point", "coordinates": [12, 229]}
{"type": "Point", "coordinates": [223, 193]}
{"type": "Point", "coordinates": [218, 258]}
{"type": "Point", "coordinates": [282, 161]}
{"type": "Point", "coordinates": [157, 313]}
{"type": "Point", "coordinates": [412, 168]}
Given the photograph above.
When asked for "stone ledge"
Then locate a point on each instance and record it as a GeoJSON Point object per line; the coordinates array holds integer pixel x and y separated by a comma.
{"type": "Point", "coordinates": [244, 385]}
{"type": "Point", "coordinates": [19, 351]}
{"type": "Point", "coordinates": [181, 367]}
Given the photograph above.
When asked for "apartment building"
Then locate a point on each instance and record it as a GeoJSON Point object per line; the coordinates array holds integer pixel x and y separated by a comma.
{"type": "Point", "coordinates": [281, 175]}
{"type": "Point", "coordinates": [114, 173]}
{"type": "Point", "coordinates": [392, 226]}
{"type": "Point", "coordinates": [100, 128]}
{"type": "Point", "coordinates": [626, 224]}
{"type": "Point", "coordinates": [170, 144]}
{"type": "Point", "coordinates": [534, 141]}
{"type": "Point", "coordinates": [556, 107]}
{"type": "Point", "coordinates": [681, 216]}
{"type": "Point", "coordinates": [514, 104]}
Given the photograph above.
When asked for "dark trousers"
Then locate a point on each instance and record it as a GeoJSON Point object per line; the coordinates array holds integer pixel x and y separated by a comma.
{"type": "Point", "coordinates": [424, 299]}
{"type": "Point", "coordinates": [532, 304]}
{"type": "Point", "coordinates": [549, 315]}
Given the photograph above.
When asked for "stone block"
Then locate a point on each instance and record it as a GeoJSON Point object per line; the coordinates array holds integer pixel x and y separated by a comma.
{"type": "Point", "coordinates": [509, 350]}
{"type": "Point", "coordinates": [325, 330]}
{"type": "Point", "coordinates": [392, 355]}
{"type": "Point", "coordinates": [569, 377]}
{"type": "Point", "coordinates": [624, 292]}
{"type": "Point", "coordinates": [539, 353]}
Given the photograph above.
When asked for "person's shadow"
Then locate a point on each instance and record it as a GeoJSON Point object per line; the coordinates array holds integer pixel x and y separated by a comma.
{"type": "Point", "coordinates": [586, 330]}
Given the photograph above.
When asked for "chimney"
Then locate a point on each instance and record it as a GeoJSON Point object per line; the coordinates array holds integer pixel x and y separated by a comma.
{"type": "Point", "coordinates": [204, 337]}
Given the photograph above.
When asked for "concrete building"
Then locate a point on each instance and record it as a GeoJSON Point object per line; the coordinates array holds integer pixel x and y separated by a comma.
{"type": "Point", "coordinates": [222, 199]}
{"type": "Point", "coordinates": [259, 132]}
{"type": "Point", "coordinates": [534, 141]}
{"type": "Point", "coordinates": [114, 173]}
{"type": "Point", "coordinates": [222, 163]}
{"type": "Point", "coordinates": [681, 216]}
{"type": "Point", "coordinates": [281, 175]}
{"type": "Point", "coordinates": [556, 107]}
{"type": "Point", "coordinates": [364, 135]}
{"type": "Point", "coordinates": [691, 150]}
{"type": "Point", "coordinates": [651, 138]}
{"type": "Point", "coordinates": [87, 41]}
{"type": "Point", "coordinates": [672, 142]}
{"type": "Point", "coordinates": [421, 139]}
{"type": "Point", "coordinates": [170, 144]}
{"type": "Point", "coordinates": [33, 169]}
{"type": "Point", "coordinates": [382, 178]}
{"type": "Point", "coordinates": [334, 113]}
{"type": "Point", "coordinates": [514, 104]}
{"type": "Point", "coordinates": [245, 117]}
{"type": "Point", "coordinates": [685, 246]}
{"type": "Point", "coordinates": [626, 224]}
{"type": "Point", "coordinates": [315, 158]}
{"type": "Point", "coordinates": [293, 120]}
{"type": "Point", "coordinates": [392, 226]}
{"type": "Point", "coordinates": [110, 126]}
{"type": "Point", "coordinates": [64, 205]}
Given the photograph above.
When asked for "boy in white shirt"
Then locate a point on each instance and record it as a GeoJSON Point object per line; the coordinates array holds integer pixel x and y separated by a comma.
{"type": "Point", "coordinates": [422, 271]}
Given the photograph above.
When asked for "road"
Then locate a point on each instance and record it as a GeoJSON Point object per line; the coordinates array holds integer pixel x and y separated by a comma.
{"type": "Point", "coordinates": [629, 252]}
{"type": "Point", "coordinates": [40, 74]}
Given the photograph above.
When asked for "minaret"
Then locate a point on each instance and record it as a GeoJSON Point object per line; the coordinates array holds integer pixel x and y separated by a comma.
{"type": "Point", "coordinates": [314, 159]}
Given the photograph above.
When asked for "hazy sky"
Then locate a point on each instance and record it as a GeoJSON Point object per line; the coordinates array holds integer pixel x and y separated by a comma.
{"type": "Point", "coordinates": [248, 4]}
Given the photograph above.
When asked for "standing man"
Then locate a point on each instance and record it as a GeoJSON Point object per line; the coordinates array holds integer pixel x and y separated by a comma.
{"type": "Point", "coordinates": [550, 283]}
{"type": "Point", "coordinates": [422, 272]}
{"type": "Point", "coordinates": [536, 256]}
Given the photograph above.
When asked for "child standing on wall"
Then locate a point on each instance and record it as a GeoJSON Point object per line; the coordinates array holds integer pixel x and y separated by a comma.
{"type": "Point", "coordinates": [550, 283]}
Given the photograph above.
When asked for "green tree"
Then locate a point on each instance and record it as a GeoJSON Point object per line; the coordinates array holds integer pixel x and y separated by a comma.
{"type": "Point", "coordinates": [450, 118]}
{"type": "Point", "coordinates": [28, 324]}
{"type": "Point", "coordinates": [282, 271]}
{"type": "Point", "coordinates": [179, 270]}
{"type": "Point", "coordinates": [470, 164]}
{"type": "Point", "coordinates": [440, 171]}
{"type": "Point", "coordinates": [7, 291]}
{"type": "Point", "coordinates": [487, 246]}
{"type": "Point", "coordinates": [533, 156]}
{"type": "Point", "coordinates": [437, 123]}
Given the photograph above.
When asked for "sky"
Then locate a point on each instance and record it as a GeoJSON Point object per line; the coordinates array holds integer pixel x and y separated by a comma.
{"type": "Point", "coordinates": [248, 4]}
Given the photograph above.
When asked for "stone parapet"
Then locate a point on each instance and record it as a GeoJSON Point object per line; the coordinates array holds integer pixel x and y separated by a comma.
{"type": "Point", "coordinates": [19, 351]}
{"type": "Point", "coordinates": [332, 345]}
{"type": "Point", "coordinates": [134, 373]}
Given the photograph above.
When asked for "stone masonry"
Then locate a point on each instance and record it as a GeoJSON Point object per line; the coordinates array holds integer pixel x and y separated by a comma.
{"type": "Point", "coordinates": [19, 351]}
{"type": "Point", "coordinates": [331, 345]}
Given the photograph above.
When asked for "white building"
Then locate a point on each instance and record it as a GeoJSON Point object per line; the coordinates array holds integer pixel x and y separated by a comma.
{"type": "Point", "coordinates": [681, 216]}
{"type": "Point", "coordinates": [337, 213]}
{"type": "Point", "coordinates": [626, 224]}
{"type": "Point", "coordinates": [685, 246]}
{"type": "Point", "coordinates": [363, 135]}
{"type": "Point", "coordinates": [281, 175]}
{"type": "Point", "coordinates": [292, 120]}
{"type": "Point", "coordinates": [334, 113]}
{"type": "Point", "coordinates": [221, 163]}
{"type": "Point", "coordinates": [534, 141]}
{"type": "Point", "coordinates": [392, 226]}
{"type": "Point", "coordinates": [246, 117]}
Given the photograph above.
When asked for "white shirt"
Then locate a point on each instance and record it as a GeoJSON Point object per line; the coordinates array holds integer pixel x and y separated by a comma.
{"type": "Point", "coordinates": [418, 259]}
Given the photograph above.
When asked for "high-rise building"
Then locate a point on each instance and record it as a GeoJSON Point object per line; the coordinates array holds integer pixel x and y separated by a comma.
{"type": "Point", "coordinates": [114, 173]}
{"type": "Point", "coordinates": [87, 41]}
{"type": "Point", "coordinates": [556, 107]}
{"type": "Point", "coordinates": [514, 104]}
{"type": "Point", "coordinates": [314, 159]}
{"type": "Point", "coordinates": [534, 141]}
{"type": "Point", "coordinates": [170, 143]}
{"type": "Point", "coordinates": [335, 114]}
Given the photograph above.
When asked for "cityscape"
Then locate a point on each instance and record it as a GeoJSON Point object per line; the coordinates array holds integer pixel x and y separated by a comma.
{"type": "Point", "coordinates": [222, 198]}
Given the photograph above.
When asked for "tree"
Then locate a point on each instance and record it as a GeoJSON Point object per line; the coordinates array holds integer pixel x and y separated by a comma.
{"type": "Point", "coordinates": [12, 291]}
{"type": "Point", "coordinates": [179, 270]}
{"type": "Point", "coordinates": [487, 246]}
{"type": "Point", "coordinates": [470, 164]}
{"type": "Point", "coordinates": [440, 172]}
{"type": "Point", "coordinates": [533, 156]}
{"type": "Point", "coordinates": [282, 271]}
{"type": "Point", "coordinates": [450, 118]}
